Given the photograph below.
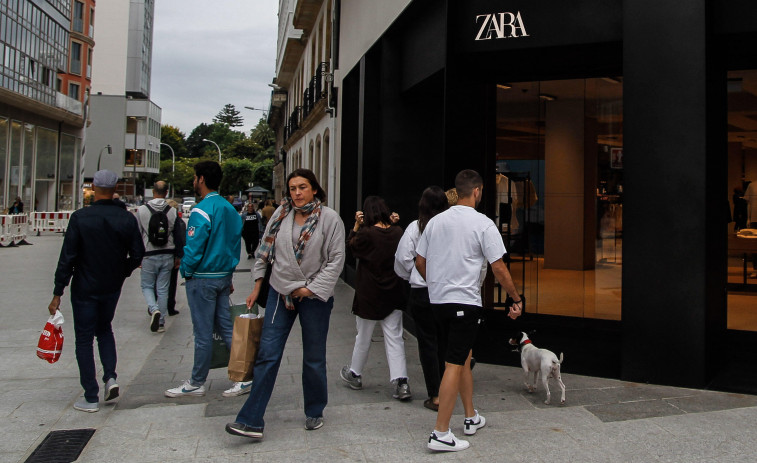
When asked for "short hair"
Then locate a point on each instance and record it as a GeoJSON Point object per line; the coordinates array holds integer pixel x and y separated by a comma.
{"type": "Point", "coordinates": [211, 172]}
{"type": "Point", "coordinates": [466, 181]}
{"type": "Point", "coordinates": [160, 188]}
{"type": "Point", "coordinates": [433, 201]}
{"type": "Point", "coordinates": [308, 175]}
{"type": "Point", "coordinates": [375, 211]}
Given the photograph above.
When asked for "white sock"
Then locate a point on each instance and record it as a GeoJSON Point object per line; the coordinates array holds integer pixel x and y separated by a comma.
{"type": "Point", "coordinates": [441, 435]}
{"type": "Point", "coordinates": [474, 417]}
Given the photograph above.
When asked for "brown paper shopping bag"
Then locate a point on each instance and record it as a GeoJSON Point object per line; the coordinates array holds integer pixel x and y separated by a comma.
{"type": "Point", "coordinates": [245, 341]}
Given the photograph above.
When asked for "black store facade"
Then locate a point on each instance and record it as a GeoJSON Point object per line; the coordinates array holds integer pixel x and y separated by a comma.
{"type": "Point", "coordinates": [611, 135]}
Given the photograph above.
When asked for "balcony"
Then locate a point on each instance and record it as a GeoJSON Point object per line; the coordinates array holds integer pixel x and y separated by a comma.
{"type": "Point", "coordinates": [314, 102]}
{"type": "Point", "coordinates": [69, 104]}
{"type": "Point", "coordinates": [305, 14]}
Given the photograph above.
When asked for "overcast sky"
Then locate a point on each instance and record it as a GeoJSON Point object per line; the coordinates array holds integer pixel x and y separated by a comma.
{"type": "Point", "coordinates": [208, 54]}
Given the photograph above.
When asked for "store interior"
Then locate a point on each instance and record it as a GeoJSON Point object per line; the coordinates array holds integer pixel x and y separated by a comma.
{"type": "Point", "coordinates": [559, 194]}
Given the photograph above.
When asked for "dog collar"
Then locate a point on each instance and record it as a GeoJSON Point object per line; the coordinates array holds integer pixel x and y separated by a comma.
{"type": "Point", "coordinates": [527, 341]}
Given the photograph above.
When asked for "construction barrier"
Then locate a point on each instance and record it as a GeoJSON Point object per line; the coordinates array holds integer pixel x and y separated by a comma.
{"type": "Point", "coordinates": [50, 221]}
{"type": "Point", "coordinates": [13, 229]}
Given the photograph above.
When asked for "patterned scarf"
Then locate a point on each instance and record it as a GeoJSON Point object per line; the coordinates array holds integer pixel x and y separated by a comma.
{"type": "Point", "coordinates": [267, 248]}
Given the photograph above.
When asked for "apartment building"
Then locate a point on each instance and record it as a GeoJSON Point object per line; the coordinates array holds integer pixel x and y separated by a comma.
{"type": "Point", "coordinates": [40, 124]}
{"type": "Point", "coordinates": [76, 82]}
{"type": "Point", "coordinates": [302, 102]}
{"type": "Point", "coordinates": [122, 115]}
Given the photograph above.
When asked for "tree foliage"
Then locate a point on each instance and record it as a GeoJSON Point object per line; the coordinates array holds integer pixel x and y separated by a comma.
{"type": "Point", "coordinates": [173, 137]}
{"type": "Point", "coordinates": [263, 134]}
{"type": "Point", "coordinates": [245, 160]}
{"type": "Point", "coordinates": [219, 133]}
{"type": "Point", "coordinates": [230, 116]}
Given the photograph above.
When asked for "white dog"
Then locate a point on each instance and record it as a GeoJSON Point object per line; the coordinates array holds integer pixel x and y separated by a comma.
{"type": "Point", "coordinates": [538, 361]}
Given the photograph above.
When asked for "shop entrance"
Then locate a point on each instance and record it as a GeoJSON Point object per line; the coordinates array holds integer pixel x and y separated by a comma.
{"type": "Point", "coordinates": [558, 200]}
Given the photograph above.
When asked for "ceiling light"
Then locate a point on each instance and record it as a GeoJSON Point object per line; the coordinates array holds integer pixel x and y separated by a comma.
{"type": "Point", "coordinates": [504, 86]}
{"type": "Point", "coordinates": [547, 97]}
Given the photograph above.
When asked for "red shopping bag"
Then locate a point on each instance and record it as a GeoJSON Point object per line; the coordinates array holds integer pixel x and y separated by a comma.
{"type": "Point", "coordinates": [50, 342]}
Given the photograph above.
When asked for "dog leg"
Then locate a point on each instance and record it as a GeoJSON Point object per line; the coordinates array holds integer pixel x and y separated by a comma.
{"type": "Point", "coordinates": [562, 386]}
{"type": "Point", "coordinates": [525, 375]}
{"type": "Point", "coordinates": [545, 382]}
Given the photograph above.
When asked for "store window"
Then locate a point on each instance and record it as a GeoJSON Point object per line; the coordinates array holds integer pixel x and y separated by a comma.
{"type": "Point", "coordinates": [4, 126]}
{"type": "Point", "coordinates": [44, 188]}
{"type": "Point", "coordinates": [559, 194]}
{"type": "Point", "coordinates": [742, 195]}
{"type": "Point", "coordinates": [67, 191]}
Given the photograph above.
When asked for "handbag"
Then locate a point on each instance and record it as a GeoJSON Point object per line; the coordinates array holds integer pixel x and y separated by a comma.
{"type": "Point", "coordinates": [220, 357]}
{"type": "Point", "coordinates": [265, 285]}
{"type": "Point", "coordinates": [244, 345]}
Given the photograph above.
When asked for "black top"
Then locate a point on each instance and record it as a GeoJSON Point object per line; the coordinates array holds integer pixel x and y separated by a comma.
{"type": "Point", "coordinates": [378, 290]}
{"type": "Point", "coordinates": [103, 245]}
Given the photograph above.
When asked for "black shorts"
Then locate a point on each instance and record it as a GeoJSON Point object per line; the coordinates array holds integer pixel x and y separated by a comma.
{"type": "Point", "coordinates": [459, 325]}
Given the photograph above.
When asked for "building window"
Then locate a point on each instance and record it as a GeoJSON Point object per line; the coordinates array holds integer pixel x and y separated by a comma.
{"type": "Point", "coordinates": [75, 58]}
{"type": "Point", "coordinates": [91, 22]}
{"type": "Point", "coordinates": [78, 18]}
{"type": "Point", "coordinates": [73, 91]}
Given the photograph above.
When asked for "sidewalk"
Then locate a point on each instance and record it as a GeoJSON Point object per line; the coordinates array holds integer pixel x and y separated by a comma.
{"type": "Point", "coordinates": [604, 420]}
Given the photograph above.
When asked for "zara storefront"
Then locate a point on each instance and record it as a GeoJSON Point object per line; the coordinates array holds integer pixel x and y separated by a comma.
{"type": "Point", "coordinates": [611, 135]}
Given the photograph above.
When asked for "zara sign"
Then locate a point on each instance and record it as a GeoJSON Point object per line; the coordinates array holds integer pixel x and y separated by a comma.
{"type": "Point", "coordinates": [504, 25]}
{"type": "Point", "coordinates": [476, 26]}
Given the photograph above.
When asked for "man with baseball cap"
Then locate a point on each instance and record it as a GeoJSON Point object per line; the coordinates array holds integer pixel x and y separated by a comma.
{"type": "Point", "coordinates": [102, 246]}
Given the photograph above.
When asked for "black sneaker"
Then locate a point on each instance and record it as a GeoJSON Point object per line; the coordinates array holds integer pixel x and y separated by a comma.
{"type": "Point", "coordinates": [155, 321]}
{"type": "Point", "coordinates": [171, 312]}
{"type": "Point", "coordinates": [241, 429]}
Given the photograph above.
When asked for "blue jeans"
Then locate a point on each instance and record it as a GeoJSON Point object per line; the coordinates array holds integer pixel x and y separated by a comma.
{"type": "Point", "coordinates": [93, 315]}
{"type": "Point", "coordinates": [314, 321]}
{"type": "Point", "coordinates": [156, 276]}
{"type": "Point", "coordinates": [209, 304]}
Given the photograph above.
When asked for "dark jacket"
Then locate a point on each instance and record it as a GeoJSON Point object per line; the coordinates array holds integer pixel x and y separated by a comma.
{"type": "Point", "coordinates": [103, 245]}
{"type": "Point", "coordinates": [378, 290]}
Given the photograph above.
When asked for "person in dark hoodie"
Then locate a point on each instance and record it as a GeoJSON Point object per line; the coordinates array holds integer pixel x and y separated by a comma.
{"type": "Point", "coordinates": [101, 248]}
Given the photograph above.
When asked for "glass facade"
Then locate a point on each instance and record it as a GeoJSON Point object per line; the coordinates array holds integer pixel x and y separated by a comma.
{"type": "Point", "coordinates": [558, 194]}
{"type": "Point", "coordinates": [742, 195]}
{"type": "Point", "coordinates": [34, 47]}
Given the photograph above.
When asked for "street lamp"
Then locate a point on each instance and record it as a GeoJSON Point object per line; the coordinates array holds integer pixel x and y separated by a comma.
{"type": "Point", "coordinates": [219, 149]}
{"type": "Point", "coordinates": [99, 156]}
{"type": "Point", "coordinates": [173, 162]}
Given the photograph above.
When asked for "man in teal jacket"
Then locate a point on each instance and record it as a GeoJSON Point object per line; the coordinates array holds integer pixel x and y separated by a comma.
{"type": "Point", "coordinates": [210, 256]}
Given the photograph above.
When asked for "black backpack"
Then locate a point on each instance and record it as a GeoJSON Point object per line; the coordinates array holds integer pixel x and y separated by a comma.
{"type": "Point", "coordinates": [157, 228]}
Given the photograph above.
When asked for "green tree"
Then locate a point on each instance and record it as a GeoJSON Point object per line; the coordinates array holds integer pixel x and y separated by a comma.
{"type": "Point", "coordinates": [175, 138]}
{"type": "Point", "coordinates": [181, 179]}
{"type": "Point", "coordinates": [219, 133]}
{"type": "Point", "coordinates": [238, 174]}
{"type": "Point", "coordinates": [245, 149]}
{"type": "Point", "coordinates": [263, 134]}
{"type": "Point", "coordinates": [230, 116]}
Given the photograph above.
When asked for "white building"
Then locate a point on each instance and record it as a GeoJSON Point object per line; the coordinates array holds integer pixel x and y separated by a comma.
{"type": "Point", "coordinates": [302, 112]}
{"type": "Point", "coordinates": [121, 112]}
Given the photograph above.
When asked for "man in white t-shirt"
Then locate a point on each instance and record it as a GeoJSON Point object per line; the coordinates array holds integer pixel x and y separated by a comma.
{"type": "Point", "coordinates": [450, 253]}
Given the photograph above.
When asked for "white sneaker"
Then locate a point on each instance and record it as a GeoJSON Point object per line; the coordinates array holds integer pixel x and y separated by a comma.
{"type": "Point", "coordinates": [470, 425]}
{"type": "Point", "coordinates": [186, 389]}
{"type": "Point", "coordinates": [450, 443]}
{"type": "Point", "coordinates": [239, 388]}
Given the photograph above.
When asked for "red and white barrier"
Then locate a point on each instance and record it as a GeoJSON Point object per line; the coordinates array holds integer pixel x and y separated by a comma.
{"type": "Point", "coordinates": [50, 221]}
{"type": "Point", "coordinates": [13, 229]}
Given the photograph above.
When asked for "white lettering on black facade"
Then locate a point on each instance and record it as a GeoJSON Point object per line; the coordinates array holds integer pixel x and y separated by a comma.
{"type": "Point", "coordinates": [500, 26]}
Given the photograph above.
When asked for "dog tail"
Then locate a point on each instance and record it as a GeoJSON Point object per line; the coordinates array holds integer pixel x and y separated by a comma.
{"type": "Point", "coordinates": [560, 361]}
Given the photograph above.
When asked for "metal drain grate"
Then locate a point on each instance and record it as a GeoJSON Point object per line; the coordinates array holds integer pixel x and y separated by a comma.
{"type": "Point", "coordinates": [61, 446]}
